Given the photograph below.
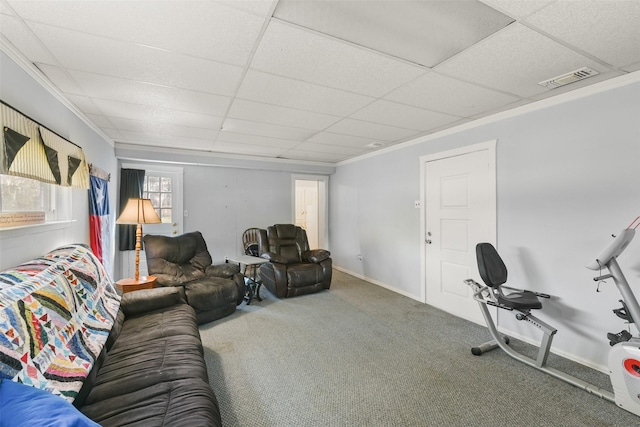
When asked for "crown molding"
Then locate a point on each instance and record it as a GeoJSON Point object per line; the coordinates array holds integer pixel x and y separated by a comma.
{"type": "Point", "coordinates": [583, 92]}
{"type": "Point", "coordinates": [46, 84]}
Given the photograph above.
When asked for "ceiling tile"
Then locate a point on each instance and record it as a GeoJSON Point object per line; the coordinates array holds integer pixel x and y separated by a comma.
{"type": "Point", "coordinates": [424, 32]}
{"type": "Point", "coordinates": [165, 141]}
{"type": "Point", "coordinates": [114, 134]}
{"type": "Point", "coordinates": [329, 138]}
{"type": "Point", "coordinates": [85, 104]}
{"type": "Point", "coordinates": [394, 114]}
{"type": "Point", "coordinates": [632, 67]}
{"type": "Point", "coordinates": [515, 60]}
{"type": "Point", "coordinates": [259, 112]}
{"type": "Point", "coordinates": [370, 130]}
{"type": "Point", "coordinates": [132, 61]}
{"type": "Point", "coordinates": [266, 129]}
{"type": "Point", "coordinates": [162, 128]}
{"type": "Point", "coordinates": [101, 121]}
{"type": "Point", "coordinates": [518, 8]}
{"type": "Point", "coordinates": [60, 78]}
{"type": "Point", "coordinates": [157, 115]}
{"type": "Point", "coordinates": [131, 91]}
{"type": "Point", "coordinates": [23, 40]}
{"type": "Point", "coordinates": [186, 27]}
{"type": "Point", "coordinates": [333, 149]}
{"type": "Point", "coordinates": [247, 149]}
{"type": "Point", "coordinates": [313, 156]}
{"type": "Point", "coordinates": [300, 54]}
{"type": "Point", "coordinates": [260, 8]}
{"type": "Point", "coordinates": [609, 30]}
{"type": "Point", "coordinates": [270, 89]}
{"type": "Point", "coordinates": [240, 138]}
{"type": "Point", "coordinates": [445, 94]}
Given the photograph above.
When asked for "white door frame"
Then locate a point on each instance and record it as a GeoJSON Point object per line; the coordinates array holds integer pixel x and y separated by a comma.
{"type": "Point", "coordinates": [323, 204]}
{"type": "Point", "coordinates": [490, 146]}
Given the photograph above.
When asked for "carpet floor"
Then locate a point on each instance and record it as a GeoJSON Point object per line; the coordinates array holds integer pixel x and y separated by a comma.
{"type": "Point", "coordinates": [361, 355]}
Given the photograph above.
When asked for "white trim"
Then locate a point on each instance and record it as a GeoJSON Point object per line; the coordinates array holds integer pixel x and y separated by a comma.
{"type": "Point", "coordinates": [323, 199]}
{"type": "Point", "coordinates": [377, 283]}
{"type": "Point", "coordinates": [612, 83]}
{"type": "Point", "coordinates": [489, 146]}
{"type": "Point", "coordinates": [133, 152]}
{"type": "Point", "coordinates": [152, 166]}
{"type": "Point", "coordinates": [25, 230]}
{"type": "Point", "coordinates": [36, 74]}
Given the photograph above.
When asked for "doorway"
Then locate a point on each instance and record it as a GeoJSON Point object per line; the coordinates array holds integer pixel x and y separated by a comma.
{"type": "Point", "coordinates": [310, 208]}
{"type": "Point", "coordinates": [459, 211]}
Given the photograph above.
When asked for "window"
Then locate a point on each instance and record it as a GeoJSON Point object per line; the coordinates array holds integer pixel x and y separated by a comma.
{"type": "Point", "coordinates": [159, 190]}
{"type": "Point", "coordinates": [24, 195]}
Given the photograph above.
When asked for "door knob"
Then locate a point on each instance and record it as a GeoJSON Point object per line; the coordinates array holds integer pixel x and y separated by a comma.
{"type": "Point", "coordinates": [428, 241]}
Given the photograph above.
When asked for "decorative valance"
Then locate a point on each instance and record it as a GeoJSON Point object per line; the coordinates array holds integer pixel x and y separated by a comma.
{"type": "Point", "coordinates": [31, 150]}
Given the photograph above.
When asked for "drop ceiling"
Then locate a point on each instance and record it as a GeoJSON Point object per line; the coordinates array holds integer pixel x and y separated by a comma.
{"type": "Point", "coordinates": [319, 80]}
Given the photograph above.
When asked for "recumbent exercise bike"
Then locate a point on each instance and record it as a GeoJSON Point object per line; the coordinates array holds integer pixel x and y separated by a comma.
{"type": "Point", "coordinates": [624, 356]}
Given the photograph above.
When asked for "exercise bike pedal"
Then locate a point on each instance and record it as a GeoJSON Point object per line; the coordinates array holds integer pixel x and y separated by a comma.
{"type": "Point", "coordinates": [623, 313]}
{"type": "Point", "coordinates": [621, 336]}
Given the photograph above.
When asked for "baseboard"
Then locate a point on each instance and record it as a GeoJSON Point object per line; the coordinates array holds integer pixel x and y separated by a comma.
{"type": "Point", "coordinates": [570, 356]}
{"type": "Point", "coordinates": [528, 340]}
{"type": "Point", "coordinates": [378, 283]}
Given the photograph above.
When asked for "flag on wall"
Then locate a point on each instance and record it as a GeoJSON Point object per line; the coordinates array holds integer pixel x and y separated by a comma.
{"type": "Point", "coordinates": [99, 227]}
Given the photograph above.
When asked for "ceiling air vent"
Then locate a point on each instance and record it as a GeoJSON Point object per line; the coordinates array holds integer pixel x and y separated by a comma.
{"type": "Point", "coordinates": [571, 77]}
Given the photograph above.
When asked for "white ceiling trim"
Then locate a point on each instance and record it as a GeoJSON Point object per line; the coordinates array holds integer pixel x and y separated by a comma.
{"type": "Point", "coordinates": [36, 74]}
{"type": "Point", "coordinates": [583, 92]}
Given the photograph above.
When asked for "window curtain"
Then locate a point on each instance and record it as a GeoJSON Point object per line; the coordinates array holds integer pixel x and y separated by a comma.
{"type": "Point", "coordinates": [30, 150]}
{"type": "Point", "coordinates": [131, 184]}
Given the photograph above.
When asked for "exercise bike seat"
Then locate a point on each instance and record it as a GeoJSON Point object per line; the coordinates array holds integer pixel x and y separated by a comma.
{"type": "Point", "coordinates": [494, 274]}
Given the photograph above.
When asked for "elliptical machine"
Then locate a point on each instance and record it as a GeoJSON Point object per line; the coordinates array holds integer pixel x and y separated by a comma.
{"type": "Point", "coordinates": [624, 356]}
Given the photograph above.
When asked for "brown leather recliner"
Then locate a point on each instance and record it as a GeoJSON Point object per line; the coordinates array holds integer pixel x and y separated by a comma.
{"type": "Point", "coordinates": [213, 291]}
{"type": "Point", "coordinates": [293, 269]}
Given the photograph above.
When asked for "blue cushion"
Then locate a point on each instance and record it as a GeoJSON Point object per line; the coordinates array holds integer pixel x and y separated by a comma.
{"type": "Point", "coordinates": [23, 405]}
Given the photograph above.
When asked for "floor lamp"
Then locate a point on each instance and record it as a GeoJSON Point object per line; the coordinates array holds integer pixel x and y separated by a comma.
{"type": "Point", "coordinates": [138, 212]}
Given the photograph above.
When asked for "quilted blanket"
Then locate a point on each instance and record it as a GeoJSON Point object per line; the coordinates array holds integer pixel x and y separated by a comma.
{"type": "Point", "coordinates": [55, 316]}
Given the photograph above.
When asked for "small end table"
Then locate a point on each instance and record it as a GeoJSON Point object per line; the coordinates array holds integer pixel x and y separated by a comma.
{"type": "Point", "coordinates": [253, 284]}
{"type": "Point", "coordinates": [131, 284]}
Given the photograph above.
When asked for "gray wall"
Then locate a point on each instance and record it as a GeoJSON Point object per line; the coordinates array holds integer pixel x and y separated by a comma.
{"type": "Point", "coordinates": [23, 92]}
{"type": "Point", "coordinates": [568, 176]}
{"type": "Point", "coordinates": [223, 202]}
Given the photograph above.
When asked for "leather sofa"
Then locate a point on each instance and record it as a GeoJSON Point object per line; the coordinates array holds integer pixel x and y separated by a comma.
{"type": "Point", "coordinates": [74, 352]}
{"type": "Point", "coordinates": [183, 261]}
{"type": "Point", "coordinates": [293, 268]}
{"type": "Point", "coordinates": [153, 371]}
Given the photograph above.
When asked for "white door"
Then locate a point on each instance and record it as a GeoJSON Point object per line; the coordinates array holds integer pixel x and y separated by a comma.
{"type": "Point", "coordinates": [310, 208]}
{"type": "Point", "coordinates": [306, 203]}
{"type": "Point", "coordinates": [163, 185]}
{"type": "Point", "coordinates": [459, 213]}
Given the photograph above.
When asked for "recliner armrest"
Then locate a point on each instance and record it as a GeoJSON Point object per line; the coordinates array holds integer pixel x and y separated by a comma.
{"type": "Point", "coordinates": [316, 256]}
{"type": "Point", "coordinates": [226, 270]}
{"type": "Point", "coordinates": [145, 300]}
{"type": "Point", "coordinates": [274, 257]}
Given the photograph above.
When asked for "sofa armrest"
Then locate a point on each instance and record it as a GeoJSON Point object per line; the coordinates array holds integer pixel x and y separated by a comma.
{"type": "Point", "coordinates": [145, 300]}
{"type": "Point", "coordinates": [274, 257]}
{"type": "Point", "coordinates": [316, 256]}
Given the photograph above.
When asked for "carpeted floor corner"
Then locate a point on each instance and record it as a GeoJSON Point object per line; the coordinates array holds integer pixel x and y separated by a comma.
{"type": "Point", "coordinates": [361, 355]}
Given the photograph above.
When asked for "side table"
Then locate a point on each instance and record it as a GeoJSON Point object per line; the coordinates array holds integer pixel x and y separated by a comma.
{"type": "Point", "coordinates": [252, 282]}
{"type": "Point", "coordinates": [131, 284]}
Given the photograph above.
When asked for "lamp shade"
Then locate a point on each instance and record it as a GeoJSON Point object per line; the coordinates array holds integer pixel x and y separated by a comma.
{"type": "Point", "coordinates": [138, 211]}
